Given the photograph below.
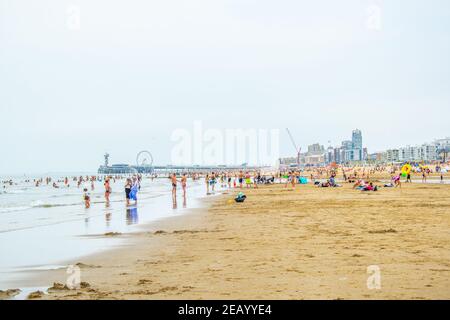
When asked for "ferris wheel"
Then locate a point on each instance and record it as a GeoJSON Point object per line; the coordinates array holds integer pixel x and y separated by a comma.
{"type": "Point", "coordinates": [144, 159]}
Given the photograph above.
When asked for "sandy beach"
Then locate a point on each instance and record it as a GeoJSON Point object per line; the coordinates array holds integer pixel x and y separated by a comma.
{"type": "Point", "coordinates": [307, 243]}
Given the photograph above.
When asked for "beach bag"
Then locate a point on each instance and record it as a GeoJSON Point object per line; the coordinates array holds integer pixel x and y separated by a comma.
{"type": "Point", "coordinates": [240, 197]}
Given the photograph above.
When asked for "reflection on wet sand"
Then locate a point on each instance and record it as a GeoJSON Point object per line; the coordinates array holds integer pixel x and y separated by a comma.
{"type": "Point", "coordinates": [108, 219]}
{"type": "Point", "coordinates": [132, 216]}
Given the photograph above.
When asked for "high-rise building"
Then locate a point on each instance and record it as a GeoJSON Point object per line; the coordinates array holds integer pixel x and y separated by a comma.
{"type": "Point", "coordinates": [316, 149]}
{"type": "Point", "coordinates": [357, 147]}
{"type": "Point", "coordinates": [357, 139]}
{"type": "Point", "coordinates": [349, 151]}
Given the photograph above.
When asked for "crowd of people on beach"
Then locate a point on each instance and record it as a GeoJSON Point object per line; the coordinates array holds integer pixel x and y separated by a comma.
{"type": "Point", "coordinates": [363, 178]}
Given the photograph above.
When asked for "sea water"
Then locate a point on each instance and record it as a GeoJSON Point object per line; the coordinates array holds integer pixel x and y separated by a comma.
{"type": "Point", "coordinates": [41, 227]}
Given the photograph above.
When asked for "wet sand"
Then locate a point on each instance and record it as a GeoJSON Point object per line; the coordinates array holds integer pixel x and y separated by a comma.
{"type": "Point", "coordinates": [308, 243]}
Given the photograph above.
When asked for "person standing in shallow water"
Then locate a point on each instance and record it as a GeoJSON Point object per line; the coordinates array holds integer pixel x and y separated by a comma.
{"type": "Point", "coordinates": [127, 191]}
{"type": "Point", "coordinates": [184, 184]}
{"type": "Point", "coordinates": [107, 190]}
{"type": "Point", "coordinates": [86, 198]}
{"type": "Point", "coordinates": [207, 183]}
{"type": "Point", "coordinates": [134, 190]}
{"type": "Point", "coordinates": [174, 180]}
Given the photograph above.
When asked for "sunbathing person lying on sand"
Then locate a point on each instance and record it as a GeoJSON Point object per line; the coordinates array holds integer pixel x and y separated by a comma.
{"type": "Point", "coordinates": [369, 187]}
{"type": "Point", "coordinates": [330, 183]}
{"type": "Point", "coordinates": [358, 184]}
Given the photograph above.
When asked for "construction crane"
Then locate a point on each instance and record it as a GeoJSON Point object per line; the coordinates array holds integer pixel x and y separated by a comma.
{"type": "Point", "coordinates": [297, 149]}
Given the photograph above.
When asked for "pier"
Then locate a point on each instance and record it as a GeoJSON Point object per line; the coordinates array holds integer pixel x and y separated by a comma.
{"type": "Point", "coordinates": [144, 165]}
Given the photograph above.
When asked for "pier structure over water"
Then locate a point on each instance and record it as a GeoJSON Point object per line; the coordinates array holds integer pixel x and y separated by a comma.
{"type": "Point", "coordinates": [163, 170]}
{"type": "Point", "coordinates": [144, 165]}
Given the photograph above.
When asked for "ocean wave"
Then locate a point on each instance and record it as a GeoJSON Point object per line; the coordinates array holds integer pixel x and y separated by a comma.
{"type": "Point", "coordinates": [35, 204]}
{"type": "Point", "coordinates": [19, 191]}
{"type": "Point", "coordinates": [95, 199]}
{"type": "Point", "coordinates": [13, 209]}
{"type": "Point", "coordinates": [42, 204]}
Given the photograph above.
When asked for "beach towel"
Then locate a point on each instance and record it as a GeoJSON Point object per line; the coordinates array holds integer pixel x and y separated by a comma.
{"type": "Point", "coordinates": [303, 180]}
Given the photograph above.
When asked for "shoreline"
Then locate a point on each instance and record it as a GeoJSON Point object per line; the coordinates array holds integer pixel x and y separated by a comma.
{"type": "Point", "coordinates": [155, 230]}
{"type": "Point", "coordinates": [85, 239]}
{"type": "Point", "coordinates": [311, 243]}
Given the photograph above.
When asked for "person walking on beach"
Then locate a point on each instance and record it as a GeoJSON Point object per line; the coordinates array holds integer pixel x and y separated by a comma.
{"type": "Point", "coordinates": [287, 177]}
{"type": "Point", "coordinates": [408, 178]}
{"type": "Point", "coordinates": [294, 176]}
{"type": "Point", "coordinates": [108, 190]}
{"type": "Point", "coordinates": [128, 190]}
{"type": "Point", "coordinates": [256, 178]}
{"type": "Point", "coordinates": [213, 182]}
{"type": "Point", "coordinates": [424, 176]}
{"type": "Point", "coordinates": [248, 180]}
{"type": "Point", "coordinates": [241, 178]}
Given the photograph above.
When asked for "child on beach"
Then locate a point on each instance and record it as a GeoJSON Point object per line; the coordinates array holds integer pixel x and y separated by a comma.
{"type": "Point", "coordinates": [86, 198]}
{"type": "Point", "coordinates": [397, 181]}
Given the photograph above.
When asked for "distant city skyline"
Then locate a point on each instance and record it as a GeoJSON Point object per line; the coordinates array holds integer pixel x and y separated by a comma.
{"type": "Point", "coordinates": [354, 151]}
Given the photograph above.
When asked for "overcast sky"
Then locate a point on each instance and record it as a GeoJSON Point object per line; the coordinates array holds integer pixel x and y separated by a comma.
{"type": "Point", "coordinates": [131, 72]}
